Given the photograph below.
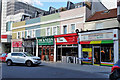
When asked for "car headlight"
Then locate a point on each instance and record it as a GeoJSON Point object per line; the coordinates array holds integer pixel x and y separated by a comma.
{"type": "Point", "coordinates": [35, 59]}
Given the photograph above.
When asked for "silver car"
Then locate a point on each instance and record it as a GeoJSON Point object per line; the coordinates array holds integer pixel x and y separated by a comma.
{"type": "Point", "coordinates": [23, 58]}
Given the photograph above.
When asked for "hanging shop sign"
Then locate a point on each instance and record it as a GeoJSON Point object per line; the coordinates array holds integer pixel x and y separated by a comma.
{"type": "Point", "coordinates": [97, 36]}
{"type": "Point", "coordinates": [46, 40]}
{"type": "Point", "coordinates": [71, 39]}
{"type": "Point", "coordinates": [17, 44]}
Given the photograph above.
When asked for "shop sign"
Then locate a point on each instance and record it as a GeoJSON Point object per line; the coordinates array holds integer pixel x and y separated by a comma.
{"type": "Point", "coordinates": [67, 40]}
{"type": "Point", "coordinates": [17, 44]}
{"type": "Point", "coordinates": [29, 43]}
{"type": "Point", "coordinates": [97, 36]}
{"type": "Point", "coordinates": [46, 41]}
{"type": "Point", "coordinates": [87, 49]}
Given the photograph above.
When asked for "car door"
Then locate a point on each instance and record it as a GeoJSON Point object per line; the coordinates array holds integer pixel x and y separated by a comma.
{"type": "Point", "coordinates": [14, 57]}
{"type": "Point", "coordinates": [21, 58]}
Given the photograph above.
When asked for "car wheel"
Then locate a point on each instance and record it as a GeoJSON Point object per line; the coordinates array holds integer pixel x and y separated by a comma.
{"type": "Point", "coordinates": [29, 63]}
{"type": "Point", "coordinates": [9, 63]}
{"type": "Point", "coordinates": [115, 75]}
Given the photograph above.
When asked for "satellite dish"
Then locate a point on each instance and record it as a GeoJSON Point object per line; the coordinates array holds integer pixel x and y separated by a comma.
{"type": "Point", "coordinates": [77, 31]}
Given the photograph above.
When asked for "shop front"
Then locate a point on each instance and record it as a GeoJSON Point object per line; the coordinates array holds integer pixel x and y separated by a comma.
{"type": "Point", "coordinates": [66, 47]}
{"type": "Point", "coordinates": [30, 45]}
{"type": "Point", "coordinates": [46, 48]}
{"type": "Point", "coordinates": [17, 46]}
{"type": "Point", "coordinates": [99, 47]}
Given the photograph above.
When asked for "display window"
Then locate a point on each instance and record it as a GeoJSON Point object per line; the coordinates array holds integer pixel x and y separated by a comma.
{"type": "Point", "coordinates": [107, 53]}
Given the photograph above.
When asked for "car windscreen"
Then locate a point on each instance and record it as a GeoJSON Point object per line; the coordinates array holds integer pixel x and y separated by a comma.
{"type": "Point", "coordinates": [28, 54]}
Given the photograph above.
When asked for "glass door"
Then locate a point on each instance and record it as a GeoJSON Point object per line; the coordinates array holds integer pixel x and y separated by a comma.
{"type": "Point", "coordinates": [96, 55]}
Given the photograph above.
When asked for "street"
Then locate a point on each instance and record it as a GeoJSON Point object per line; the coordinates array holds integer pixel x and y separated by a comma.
{"type": "Point", "coordinates": [47, 71]}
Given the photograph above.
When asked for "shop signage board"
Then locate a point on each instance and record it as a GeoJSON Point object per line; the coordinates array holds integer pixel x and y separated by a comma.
{"type": "Point", "coordinates": [46, 40]}
{"type": "Point", "coordinates": [67, 40]}
{"type": "Point", "coordinates": [29, 43]}
{"type": "Point", "coordinates": [97, 36]}
{"type": "Point", "coordinates": [17, 44]}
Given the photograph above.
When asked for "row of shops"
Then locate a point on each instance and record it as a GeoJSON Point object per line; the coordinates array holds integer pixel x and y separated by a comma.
{"type": "Point", "coordinates": [98, 47]}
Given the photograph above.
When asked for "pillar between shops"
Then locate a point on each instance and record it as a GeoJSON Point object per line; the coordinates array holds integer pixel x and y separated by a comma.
{"type": "Point", "coordinates": [79, 53]}
{"type": "Point", "coordinates": [116, 51]}
{"type": "Point", "coordinates": [36, 47]}
{"type": "Point", "coordinates": [54, 51]}
{"type": "Point", "coordinates": [11, 47]}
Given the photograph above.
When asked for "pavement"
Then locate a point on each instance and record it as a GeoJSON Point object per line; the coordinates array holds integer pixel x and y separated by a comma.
{"type": "Point", "coordinates": [79, 67]}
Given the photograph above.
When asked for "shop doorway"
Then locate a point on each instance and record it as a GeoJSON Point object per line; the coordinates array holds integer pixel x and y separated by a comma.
{"type": "Point", "coordinates": [96, 54]}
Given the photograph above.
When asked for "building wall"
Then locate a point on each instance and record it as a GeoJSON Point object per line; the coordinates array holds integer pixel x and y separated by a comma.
{"type": "Point", "coordinates": [107, 23]}
{"type": "Point", "coordinates": [17, 24]}
{"type": "Point", "coordinates": [31, 21]}
{"type": "Point", "coordinates": [77, 17]}
{"type": "Point", "coordinates": [50, 25]}
{"type": "Point", "coordinates": [14, 33]}
{"type": "Point", "coordinates": [50, 17]}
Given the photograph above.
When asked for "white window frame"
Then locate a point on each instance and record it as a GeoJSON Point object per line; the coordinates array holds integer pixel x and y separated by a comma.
{"type": "Point", "coordinates": [18, 35]}
{"type": "Point", "coordinates": [47, 31]}
{"type": "Point", "coordinates": [22, 34]}
{"type": "Point", "coordinates": [118, 10]}
{"type": "Point", "coordinates": [71, 27]}
{"type": "Point", "coordinates": [53, 30]}
{"type": "Point", "coordinates": [34, 33]}
{"type": "Point", "coordinates": [63, 28]}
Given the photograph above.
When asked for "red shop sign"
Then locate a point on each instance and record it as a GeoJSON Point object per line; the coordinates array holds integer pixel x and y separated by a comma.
{"type": "Point", "coordinates": [71, 39]}
{"type": "Point", "coordinates": [17, 44]}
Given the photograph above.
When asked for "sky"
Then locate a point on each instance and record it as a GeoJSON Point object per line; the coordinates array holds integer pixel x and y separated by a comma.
{"type": "Point", "coordinates": [45, 4]}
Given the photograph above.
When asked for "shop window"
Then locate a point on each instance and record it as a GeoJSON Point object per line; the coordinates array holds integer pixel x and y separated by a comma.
{"type": "Point", "coordinates": [87, 52]}
{"type": "Point", "coordinates": [107, 53]}
{"type": "Point", "coordinates": [72, 28]}
{"type": "Point", "coordinates": [65, 29]}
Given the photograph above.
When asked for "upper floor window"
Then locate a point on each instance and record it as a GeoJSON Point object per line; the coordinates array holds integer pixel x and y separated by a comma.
{"type": "Point", "coordinates": [118, 10]}
{"type": "Point", "coordinates": [72, 28]}
{"type": "Point", "coordinates": [54, 31]}
{"type": "Point", "coordinates": [65, 29]}
{"type": "Point", "coordinates": [99, 25]}
{"type": "Point", "coordinates": [48, 31]}
{"type": "Point", "coordinates": [18, 35]}
{"type": "Point", "coordinates": [34, 33]}
{"type": "Point", "coordinates": [23, 34]}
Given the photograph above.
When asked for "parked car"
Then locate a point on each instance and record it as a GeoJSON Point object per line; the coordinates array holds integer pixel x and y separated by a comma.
{"type": "Point", "coordinates": [115, 72]}
{"type": "Point", "coordinates": [3, 57]}
{"type": "Point", "coordinates": [22, 58]}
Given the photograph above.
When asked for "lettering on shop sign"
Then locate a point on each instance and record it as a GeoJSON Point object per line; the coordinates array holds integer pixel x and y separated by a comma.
{"type": "Point", "coordinates": [67, 39]}
{"type": "Point", "coordinates": [97, 36]}
{"type": "Point", "coordinates": [46, 41]}
{"type": "Point", "coordinates": [28, 43]}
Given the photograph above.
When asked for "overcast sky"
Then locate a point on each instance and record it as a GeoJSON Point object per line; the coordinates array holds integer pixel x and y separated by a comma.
{"type": "Point", "coordinates": [45, 4]}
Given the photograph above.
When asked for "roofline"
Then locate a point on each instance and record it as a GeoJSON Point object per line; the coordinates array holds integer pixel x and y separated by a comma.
{"type": "Point", "coordinates": [100, 29]}
{"type": "Point", "coordinates": [100, 19]}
